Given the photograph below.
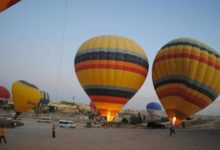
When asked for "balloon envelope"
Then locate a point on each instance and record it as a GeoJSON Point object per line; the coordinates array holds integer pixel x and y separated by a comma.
{"type": "Point", "coordinates": [4, 93]}
{"type": "Point", "coordinates": [154, 110]}
{"type": "Point", "coordinates": [111, 69]}
{"type": "Point", "coordinates": [44, 101]}
{"type": "Point", "coordinates": [154, 106]}
{"type": "Point", "coordinates": [5, 4]}
{"type": "Point", "coordinates": [25, 96]}
{"type": "Point", "coordinates": [186, 75]}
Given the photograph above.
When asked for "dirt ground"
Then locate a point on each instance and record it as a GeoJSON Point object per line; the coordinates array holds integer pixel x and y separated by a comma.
{"type": "Point", "coordinates": [38, 136]}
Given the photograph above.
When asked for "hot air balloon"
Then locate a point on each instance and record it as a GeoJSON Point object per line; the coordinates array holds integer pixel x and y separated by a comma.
{"type": "Point", "coordinates": [4, 94]}
{"type": "Point", "coordinates": [111, 69]}
{"type": "Point", "coordinates": [5, 4]}
{"type": "Point", "coordinates": [186, 75]}
{"type": "Point", "coordinates": [25, 96]}
{"type": "Point", "coordinates": [44, 101]}
{"type": "Point", "coordinates": [154, 110]}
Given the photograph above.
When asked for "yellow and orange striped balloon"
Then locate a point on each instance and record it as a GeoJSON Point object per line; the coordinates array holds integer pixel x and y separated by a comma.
{"type": "Point", "coordinates": [111, 69]}
{"type": "Point", "coordinates": [186, 77]}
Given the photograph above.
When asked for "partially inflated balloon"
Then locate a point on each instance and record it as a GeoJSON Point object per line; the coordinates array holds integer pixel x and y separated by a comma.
{"type": "Point", "coordinates": [154, 110]}
{"type": "Point", "coordinates": [4, 94]}
{"type": "Point", "coordinates": [5, 4]}
{"type": "Point", "coordinates": [111, 69]}
{"type": "Point", "coordinates": [25, 96]}
{"type": "Point", "coordinates": [154, 106]}
{"type": "Point", "coordinates": [186, 76]}
{"type": "Point", "coordinates": [44, 101]}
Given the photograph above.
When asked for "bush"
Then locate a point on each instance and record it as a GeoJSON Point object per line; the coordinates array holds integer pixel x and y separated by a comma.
{"type": "Point", "coordinates": [136, 119]}
{"type": "Point", "coordinates": [124, 120]}
{"type": "Point", "coordinates": [118, 125]}
{"type": "Point", "coordinates": [68, 103]}
{"type": "Point", "coordinates": [88, 124]}
{"type": "Point", "coordinates": [164, 119]}
{"type": "Point", "coordinates": [139, 119]}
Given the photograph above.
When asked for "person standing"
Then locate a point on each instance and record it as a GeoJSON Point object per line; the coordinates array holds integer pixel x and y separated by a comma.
{"type": "Point", "coordinates": [172, 131]}
{"type": "Point", "coordinates": [53, 131]}
{"type": "Point", "coordinates": [2, 134]}
{"type": "Point", "coordinates": [183, 125]}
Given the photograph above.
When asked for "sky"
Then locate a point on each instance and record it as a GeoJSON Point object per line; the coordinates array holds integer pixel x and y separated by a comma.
{"type": "Point", "coordinates": [39, 39]}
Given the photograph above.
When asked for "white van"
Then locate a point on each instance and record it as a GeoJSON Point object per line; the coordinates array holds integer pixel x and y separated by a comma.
{"type": "Point", "coordinates": [45, 119]}
{"type": "Point", "coordinates": [66, 124]}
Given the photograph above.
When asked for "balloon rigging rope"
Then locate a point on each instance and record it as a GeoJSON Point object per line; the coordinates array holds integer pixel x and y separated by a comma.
{"type": "Point", "coordinates": [61, 51]}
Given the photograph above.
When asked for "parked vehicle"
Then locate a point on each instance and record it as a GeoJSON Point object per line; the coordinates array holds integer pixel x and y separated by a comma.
{"type": "Point", "coordinates": [45, 119]}
{"type": "Point", "coordinates": [154, 125]}
{"type": "Point", "coordinates": [7, 123]}
{"type": "Point", "coordinates": [66, 124]}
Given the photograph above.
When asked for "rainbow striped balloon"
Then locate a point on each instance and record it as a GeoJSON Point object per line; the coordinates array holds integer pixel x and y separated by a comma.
{"type": "Point", "coordinates": [111, 69]}
{"type": "Point", "coordinates": [186, 76]}
{"type": "Point", "coordinates": [44, 101]}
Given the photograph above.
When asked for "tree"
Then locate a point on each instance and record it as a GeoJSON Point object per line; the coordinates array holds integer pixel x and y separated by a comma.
{"type": "Point", "coordinates": [139, 119]}
{"type": "Point", "coordinates": [133, 120]}
{"type": "Point", "coordinates": [124, 120]}
{"type": "Point", "coordinates": [136, 119]}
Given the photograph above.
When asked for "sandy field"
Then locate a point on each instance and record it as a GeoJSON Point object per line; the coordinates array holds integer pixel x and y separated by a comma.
{"type": "Point", "coordinates": [38, 136]}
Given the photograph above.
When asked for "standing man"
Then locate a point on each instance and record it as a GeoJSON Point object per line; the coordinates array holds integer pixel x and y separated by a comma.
{"type": "Point", "coordinates": [183, 125]}
{"type": "Point", "coordinates": [53, 131]}
{"type": "Point", "coordinates": [172, 131]}
{"type": "Point", "coordinates": [2, 134]}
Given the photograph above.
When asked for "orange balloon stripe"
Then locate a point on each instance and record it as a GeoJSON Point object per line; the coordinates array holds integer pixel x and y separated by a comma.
{"type": "Point", "coordinates": [112, 65]}
{"type": "Point", "coordinates": [112, 62]}
{"type": "Point", "coordinates": [188, 55]}
{"type": "Point", "coordinates": [109, 99]}
{"type": "Point", "coordinates": [184, 94]}
{"type": "Point", "coordinates": [105, 111]}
